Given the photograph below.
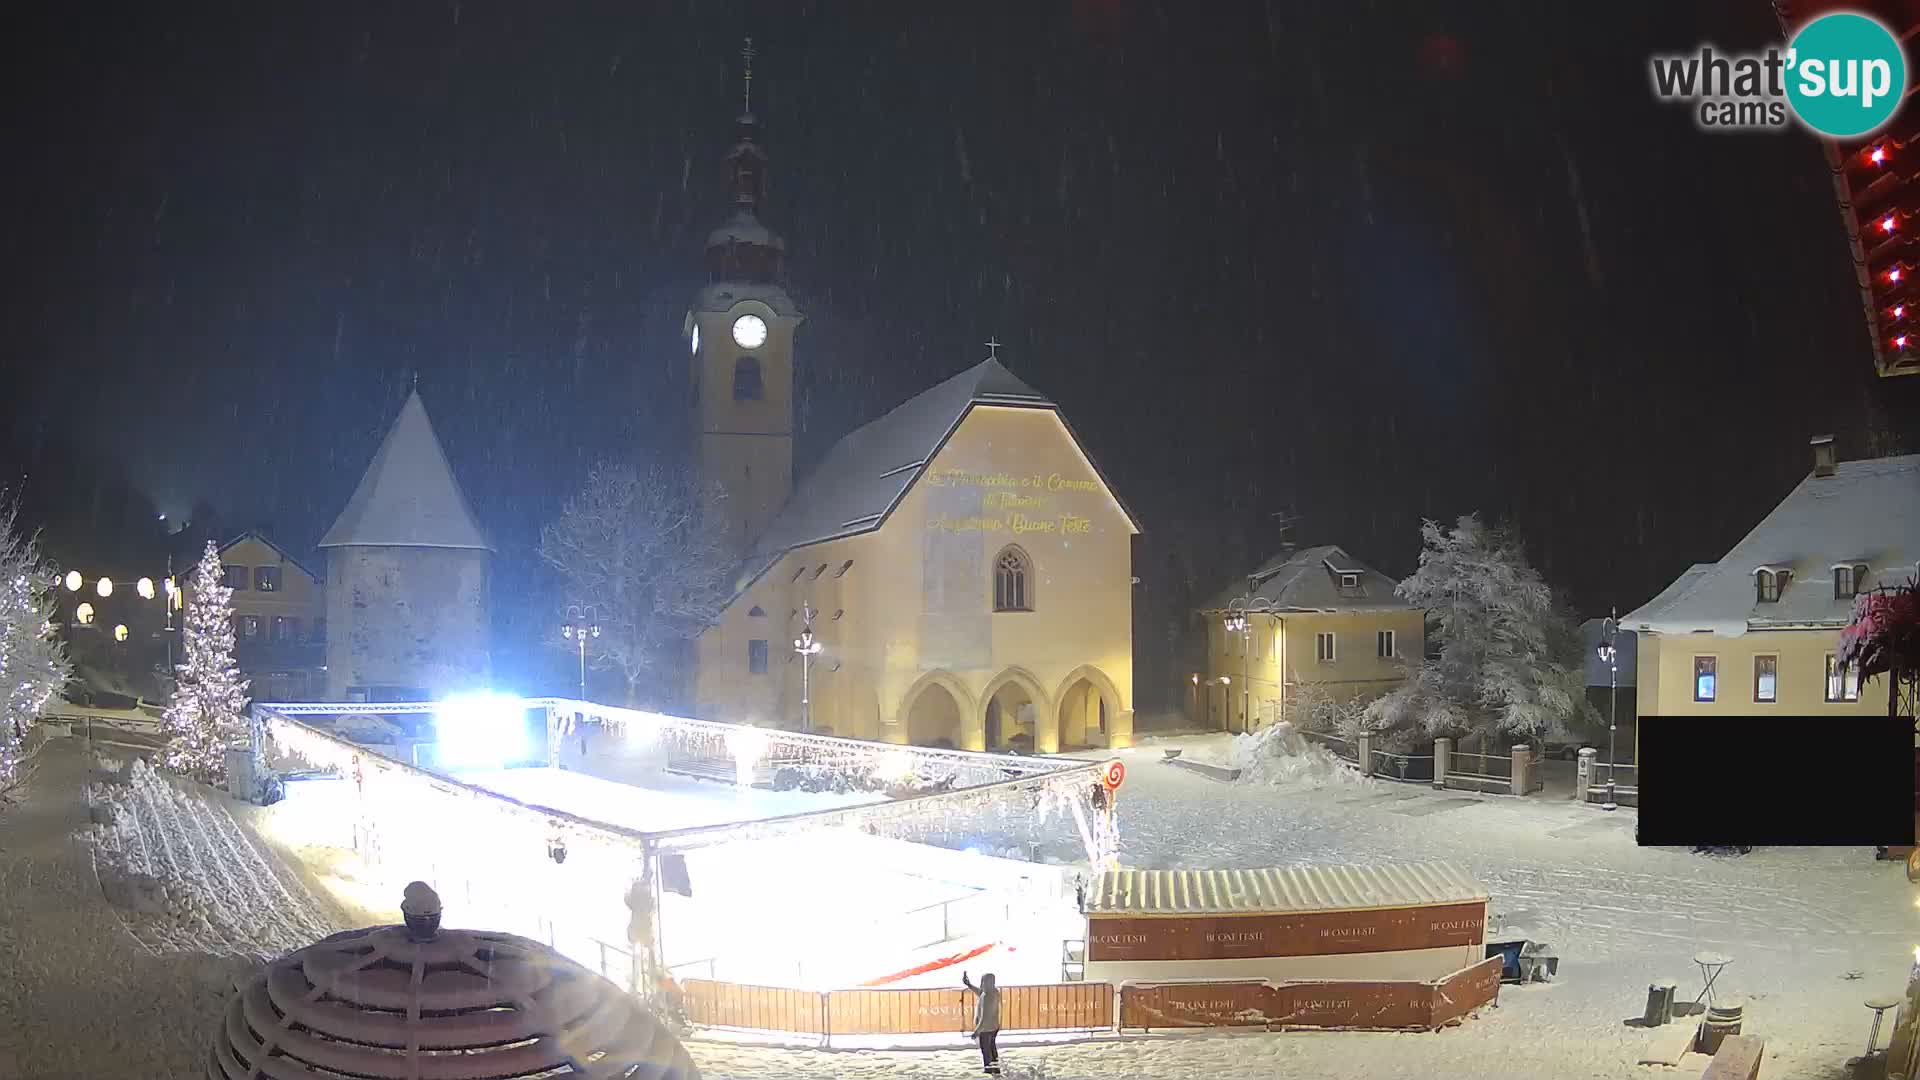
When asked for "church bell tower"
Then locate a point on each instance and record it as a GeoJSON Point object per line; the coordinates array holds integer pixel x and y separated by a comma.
{"type": "Point", "coordinates": [739, 335]}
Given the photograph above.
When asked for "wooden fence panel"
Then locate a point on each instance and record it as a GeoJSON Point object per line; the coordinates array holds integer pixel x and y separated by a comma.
{"type": "Point", "coordinates": [1056, 1007]}
{"type": "Point", "coordinates": [763, 1008]}
{"type": "Point", "coordinates": [1394, 1005]}
{"type": "Point", "coordinates": [899, 1012]}
{"type": "Point", "coordinates": [1195, 1004]}
{"type": "Point", "coordinates": [1466, 990]}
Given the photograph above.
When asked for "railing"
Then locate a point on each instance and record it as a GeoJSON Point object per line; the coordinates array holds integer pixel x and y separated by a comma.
{"type": "Point", "coordinates": [1494, 772]}
{"type": "Point", "coordinates": [1411, 768]}
{"type": "Point", "coordinates": [1626, 783]}
{"type": "Point", "coordinates": [1340, 748]}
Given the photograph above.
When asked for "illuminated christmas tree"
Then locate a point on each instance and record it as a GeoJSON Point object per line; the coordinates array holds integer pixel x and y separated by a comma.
{"type": "Point", "coordinates": [209, 698]}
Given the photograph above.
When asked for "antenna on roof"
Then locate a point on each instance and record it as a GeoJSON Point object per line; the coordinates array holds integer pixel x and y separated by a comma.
{"type": "Point", "coordinates": [1283, 523]}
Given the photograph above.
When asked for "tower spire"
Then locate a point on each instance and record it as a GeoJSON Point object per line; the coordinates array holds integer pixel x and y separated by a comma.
{"type": "Point", "coordinates": [746, 57]}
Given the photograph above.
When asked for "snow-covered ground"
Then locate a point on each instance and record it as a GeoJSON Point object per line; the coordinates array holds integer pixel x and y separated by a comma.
{"type": "Point", "coordinates": [1812, 932]}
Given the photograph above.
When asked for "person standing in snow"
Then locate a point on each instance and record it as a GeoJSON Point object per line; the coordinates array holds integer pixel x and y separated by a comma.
{"type": "Point", "coordinates": [986, 1021]}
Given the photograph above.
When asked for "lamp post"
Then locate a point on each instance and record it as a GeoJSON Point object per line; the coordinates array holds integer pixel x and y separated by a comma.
{"type": "Point", "coordinates": [808, 648]}
{"type": "Point", "coordinates": [1237, 624]}
{"type": "Point", "coordinates": [1610, 656]}
{"type": "Point", "coordinates": [580, 626]}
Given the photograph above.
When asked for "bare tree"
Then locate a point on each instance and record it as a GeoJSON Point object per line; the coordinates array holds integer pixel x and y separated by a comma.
{"type": "Point", "coordinates": [635, 546]}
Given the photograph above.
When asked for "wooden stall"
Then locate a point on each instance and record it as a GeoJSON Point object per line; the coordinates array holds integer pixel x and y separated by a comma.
{"type": "Point", "coordinates": [1392, 923]}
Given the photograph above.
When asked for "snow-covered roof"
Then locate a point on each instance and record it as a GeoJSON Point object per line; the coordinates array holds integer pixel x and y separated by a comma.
{"type": "Point", "coordinates": [408, 497]}
{"type": "Point", "coordinates": [1281, 889]}
{"type": "Point", "coordinates": [255, 534]}
{"type": "Point", "coordinates": [869, 471]}
{"type": "Point", "coordinates": [1866, 512]}
{"type": "Point", "coordinates": [1308, 579]}
{"type": "Point", "coordinates": [744, 228]}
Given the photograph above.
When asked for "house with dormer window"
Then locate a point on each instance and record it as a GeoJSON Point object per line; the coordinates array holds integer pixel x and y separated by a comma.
{"type": "Point", "coordinates": [1309, 620]}
{"type": "Point", "coordinates": [1759, 630]}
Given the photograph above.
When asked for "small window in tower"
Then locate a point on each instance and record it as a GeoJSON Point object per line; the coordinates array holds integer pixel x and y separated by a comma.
{"type": "Point", "coordinates": [838, 612]}
{"type": "Point", "coordinates": [746, 379]}
{"type": "Point", "coordinates": [844, 567]}
{"type": "Point", "coordinates": [817, 571]}
{"type": "Point", "coordinates": [757, 612]}
{"type": "Point", "coordinates": [797, 573]}
{"type": "Point", "coordinates": [757, 656]}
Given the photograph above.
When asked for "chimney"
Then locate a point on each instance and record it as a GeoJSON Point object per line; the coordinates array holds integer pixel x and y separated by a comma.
{"type": "Point", "coordinates": [1822, 454]}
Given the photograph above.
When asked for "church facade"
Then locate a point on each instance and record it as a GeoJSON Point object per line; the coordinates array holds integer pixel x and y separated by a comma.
{"type": "Point", "coordinates": [955, 573]}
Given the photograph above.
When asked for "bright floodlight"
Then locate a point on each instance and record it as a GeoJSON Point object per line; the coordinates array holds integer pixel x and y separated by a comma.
{"type": "Point", "coordinates": [145, 588]}
{"type": "Point", "coordinates": [120, 632]}
{"type": "Point", "coordinates": [74, 581]}
{"type": "Point", "coordinates": [105, 587]}
{"type": "Point", "coordinates": [481, 730]}
{"type": "Point", "coordinates": [83, 614]}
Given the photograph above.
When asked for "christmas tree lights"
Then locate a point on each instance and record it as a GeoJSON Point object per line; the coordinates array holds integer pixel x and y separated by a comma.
{"type": "Point", "coordinates": [209, 698]}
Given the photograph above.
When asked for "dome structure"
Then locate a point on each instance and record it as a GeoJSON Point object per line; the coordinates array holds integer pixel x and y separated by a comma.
{"type": "Point", "coordinates": [416, 1002]}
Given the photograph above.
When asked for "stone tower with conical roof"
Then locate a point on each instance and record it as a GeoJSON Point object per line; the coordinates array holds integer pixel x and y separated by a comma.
{"type": "Point", "coordinates": [408, 608]}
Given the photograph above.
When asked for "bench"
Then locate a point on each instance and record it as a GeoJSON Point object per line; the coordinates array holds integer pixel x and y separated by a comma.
{"type": "Point", "coordinates": [1737, 1059]}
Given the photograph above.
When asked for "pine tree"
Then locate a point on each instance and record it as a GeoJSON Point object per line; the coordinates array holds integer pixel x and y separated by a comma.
{"type": "Point", "coordinates": [33, 663]}
{"type": "Point", "coordinates": [209, 696]}
{"type": "Point", "coordinates": [1508, 661]}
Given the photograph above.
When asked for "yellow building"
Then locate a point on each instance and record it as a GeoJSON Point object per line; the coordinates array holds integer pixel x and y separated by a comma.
{"type": "Point", "coordinates": [1309, 621]}
{"type": "Point", "coordinates": [962, 567]}
{"type": "Point", "coordinates": [279, 619]}
{"type": "Point", "coordinates": [1759, 630]}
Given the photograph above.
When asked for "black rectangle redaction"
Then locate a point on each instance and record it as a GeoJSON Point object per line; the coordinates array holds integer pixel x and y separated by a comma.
{"type": "Point", "coordinates": [1776, 780]}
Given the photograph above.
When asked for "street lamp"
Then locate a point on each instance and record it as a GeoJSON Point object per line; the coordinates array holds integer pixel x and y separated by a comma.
{"type": "Point", "coordinates": [1610, 656]}
{"type": "Point", "coordinates": [580, 626]}
{"type": "Point", "coordinates": [808, 648]}
{"type": "Point", "coordinates": [1236, 623]}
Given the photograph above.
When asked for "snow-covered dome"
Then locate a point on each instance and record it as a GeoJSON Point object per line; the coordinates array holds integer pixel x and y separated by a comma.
{"type": "Point", "coordinates": [744, 228]}
{"type": "Point", "coordinates": [418, 1001]}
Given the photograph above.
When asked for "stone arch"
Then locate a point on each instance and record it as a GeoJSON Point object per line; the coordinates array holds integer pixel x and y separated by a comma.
{"type": "Point", "coordinates": [1086, 707]}
{"type": "Point", "coordinates": [1000, 702]}
{"type": "Point", "coordinates": [924, 721]}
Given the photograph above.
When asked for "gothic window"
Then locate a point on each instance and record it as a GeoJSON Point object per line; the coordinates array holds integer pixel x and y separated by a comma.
{"type": "Point", "coordinates": [1012, 581]}
{"type": "Point", "coordinates": [757, 656]}
{"type": "Point", "coordinates": [746, 379]}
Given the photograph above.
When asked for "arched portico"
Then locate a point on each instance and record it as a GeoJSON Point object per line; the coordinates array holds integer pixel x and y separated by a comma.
{"type": "Point", "coordinates": [1013, 705]}
{"type": "Point", "coordinates": [1091, 710]}
{"type": "Point", "coordinates": [937, 708]}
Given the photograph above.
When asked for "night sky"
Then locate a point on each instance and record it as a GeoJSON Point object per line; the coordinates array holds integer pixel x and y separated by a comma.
{"type": "Point", "coordinates": [1363, 262]}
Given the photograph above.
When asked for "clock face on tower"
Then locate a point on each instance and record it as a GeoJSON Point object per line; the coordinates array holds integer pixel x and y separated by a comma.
{"type": "Point", "coordinates": [749, 331]}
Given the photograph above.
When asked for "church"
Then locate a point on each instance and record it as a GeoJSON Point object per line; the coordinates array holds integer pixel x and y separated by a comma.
{"type": "Point", "coordinates": [955, 573]}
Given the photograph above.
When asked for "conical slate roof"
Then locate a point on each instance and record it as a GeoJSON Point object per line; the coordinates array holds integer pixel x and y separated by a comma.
{"type": "Point", "coordinates": [408, 497]}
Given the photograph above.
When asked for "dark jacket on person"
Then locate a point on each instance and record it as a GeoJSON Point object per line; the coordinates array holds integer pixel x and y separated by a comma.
{"type": "Point", "coordinates": [986, 1010]}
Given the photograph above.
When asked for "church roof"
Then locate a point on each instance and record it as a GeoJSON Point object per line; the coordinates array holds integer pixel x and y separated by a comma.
{"type": "Point", "coordinates": [868, 472]}
{"type": "Point", "coordinates": [408, 497]}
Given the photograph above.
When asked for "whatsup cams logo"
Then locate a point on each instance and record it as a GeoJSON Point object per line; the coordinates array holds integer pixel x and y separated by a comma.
{"type": "Point", "coordinates": [1842, 75]}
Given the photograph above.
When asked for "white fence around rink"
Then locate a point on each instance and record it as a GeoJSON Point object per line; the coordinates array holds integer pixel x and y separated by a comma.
{"type": "Point", "coordinates": [493, 857]}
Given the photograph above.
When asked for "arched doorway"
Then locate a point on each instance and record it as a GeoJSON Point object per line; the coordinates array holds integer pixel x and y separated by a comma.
{"type": "Point", "coordinates": [1011, 719]}
{"type": "Point", "coordinates": [1088, 708]}
{"type": "Point", "coordinates": [933, 717]}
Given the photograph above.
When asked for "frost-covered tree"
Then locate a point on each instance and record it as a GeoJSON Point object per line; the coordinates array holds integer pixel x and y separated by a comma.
{"type": "Point", "coordinates": [1508, 657]}
{"type": "Point", "coordinates": [33, 662]}
{"type": "Point", "coordinates": [209, 697]}
{"type": "Point", "coordinates": [635, 546]}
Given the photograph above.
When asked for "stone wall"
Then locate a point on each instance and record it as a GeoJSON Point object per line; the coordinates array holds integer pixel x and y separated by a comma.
{"type": "Point", "coordinates": [405, 616]}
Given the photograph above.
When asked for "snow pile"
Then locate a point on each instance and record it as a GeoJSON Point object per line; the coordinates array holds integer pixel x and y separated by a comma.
{"type": "Point", "coordinates": [1279, 756]}
{"type": "Point", "coordinates": [187, 877]}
